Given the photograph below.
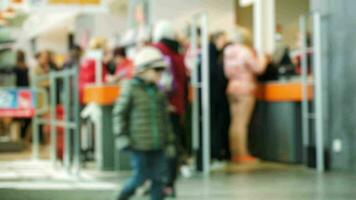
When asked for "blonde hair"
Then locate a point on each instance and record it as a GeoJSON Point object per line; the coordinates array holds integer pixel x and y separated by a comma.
{"type": "Point", "coordinates": [98, 43]}
{"type": "Point", "coordinates": [241, 35]}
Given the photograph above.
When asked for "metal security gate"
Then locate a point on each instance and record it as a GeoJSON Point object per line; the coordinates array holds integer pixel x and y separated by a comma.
{"type": "Point", "coordinates": [201, 101]}
{"type": "Point", "coordinates": [317, 117]}
{"type": "Point", "coordinates": [69, 97]}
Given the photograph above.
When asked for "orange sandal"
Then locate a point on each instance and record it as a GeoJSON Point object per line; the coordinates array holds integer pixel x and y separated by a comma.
{"type": "Point", "coordinates": [245, 159]}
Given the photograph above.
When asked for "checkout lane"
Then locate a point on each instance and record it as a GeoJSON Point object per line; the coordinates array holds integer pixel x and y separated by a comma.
{"type": "Point", "coordinates": [99, 101]}
{"type": "Point", "coordinates": [276, 126]}
{"type": "Point", "coordinates": [275, 129]}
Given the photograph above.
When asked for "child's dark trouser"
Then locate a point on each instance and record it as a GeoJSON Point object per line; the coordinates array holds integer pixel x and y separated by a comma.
{"type": "Point", "coordinates": [148, 165]}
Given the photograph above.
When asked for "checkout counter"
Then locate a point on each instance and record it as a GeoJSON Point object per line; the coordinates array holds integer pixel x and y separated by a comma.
{"type": "Point", "coordinates": [276, 125]}
{"type": "Point", "coordinates": [101, 98]}
{"type": "Point", "coordinates": [275, 129]}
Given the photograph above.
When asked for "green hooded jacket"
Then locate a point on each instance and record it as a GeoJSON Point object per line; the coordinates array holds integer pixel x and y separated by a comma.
{"type": "Point", "coordinates": [141, 115]}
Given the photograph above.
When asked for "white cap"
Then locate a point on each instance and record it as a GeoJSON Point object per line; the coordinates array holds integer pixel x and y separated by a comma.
{"type": "Point", "coordinates": [148, 58]}
{"type": "Point", "coordinates": [163, 29]}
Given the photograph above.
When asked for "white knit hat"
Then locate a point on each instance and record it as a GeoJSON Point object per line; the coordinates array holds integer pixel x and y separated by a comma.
{"type": "Point", "coordinates": [163, 30]}
{"type": "Point", "coordinates": [149, 58]}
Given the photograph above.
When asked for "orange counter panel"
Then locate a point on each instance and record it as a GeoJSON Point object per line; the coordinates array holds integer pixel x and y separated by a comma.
{"type": "Point", "coordinates": [272, 92]}
{"type": "Point", "coordinates": [276, 92]}
{"type": "Point", "coordinates": [282, 92]}
{"type": "Point", "coordinates": [101, 95]}
{"type": "Point", "coordinates": [74, 2]}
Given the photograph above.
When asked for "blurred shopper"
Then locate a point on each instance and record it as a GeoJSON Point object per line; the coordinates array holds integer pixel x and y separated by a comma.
{"type": "Point", "coordinates": [109, 60]}
{"type": "Point", "coordinates": [22, 81]}
{"type": "Point", "coordinates": [75, 56]}
{"type": "Point", "coordinates": [54, 66]}
{"type": "Point", "coordinates": [21, 70]}
{"type": "Point", "coordinates": [298, 56]}
{"type": "Point", "coordinates": [51, 60]}
{"type": "Point", "coordinates": [165, 38]}
{"type": "Point", "coordinates": [41, 69]}
{"type": "Point", "coordinates": [280, 55]}
{"type": "Point", "coordinates": [241, 66]}
{"type": "Point", "coordinates": [124, 68]}
{"type": "Point", "coordinates": [281, 65]}
{"type": "Point", "coordinates": [87, 71]}
{"type": "Point", "coordinates": [141, 124]}
{"type": "Point", "coordinates": [219, 106]}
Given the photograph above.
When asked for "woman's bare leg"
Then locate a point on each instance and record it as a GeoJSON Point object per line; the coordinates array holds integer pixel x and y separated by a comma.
{"type": "Point", "coordinates": [241, 111]}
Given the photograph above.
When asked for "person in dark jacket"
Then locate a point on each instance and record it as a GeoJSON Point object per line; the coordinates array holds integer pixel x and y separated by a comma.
{"type": "Point", "coordinates": [23, 81]}
{"type": "Point", "coordinates": [165, 38]}
{"type": "Point", "coordinates": [141, 124]}
{"type": "Point", "coordinates": [21, 70]}
{"type": "Point", "coordinates": [75, 56]}
{"type": "Point", "coordinates": [219, 106]}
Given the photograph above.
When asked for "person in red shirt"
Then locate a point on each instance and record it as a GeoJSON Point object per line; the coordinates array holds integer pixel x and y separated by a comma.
{"type": "Point", "coordinates": [87, 72]}
{"type": "Point", "coordinates": [124, 67]}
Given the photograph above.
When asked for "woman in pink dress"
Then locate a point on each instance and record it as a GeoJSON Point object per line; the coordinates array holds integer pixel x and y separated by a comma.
{"type": "Point", "coordinates": [241, 65]}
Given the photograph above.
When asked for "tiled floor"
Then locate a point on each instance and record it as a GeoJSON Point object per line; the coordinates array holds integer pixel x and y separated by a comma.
{"type": "Point", "coordinates": [28, 180]}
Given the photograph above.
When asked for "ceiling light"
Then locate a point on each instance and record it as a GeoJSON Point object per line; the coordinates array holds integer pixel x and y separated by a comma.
{"type": "Point", "coordinates": [9, 13]}
{"type": "Point", "coordinates": [245, 3]}
{"type": "Point", "coordinates": [17, 1]}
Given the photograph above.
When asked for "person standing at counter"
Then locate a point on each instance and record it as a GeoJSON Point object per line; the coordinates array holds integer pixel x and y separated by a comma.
{"type": "Point", "coordinates": [241, 65]}
{"type": "Point", "coordinates": [219, 107]}
{"type": "Point", "coordinates": [87, 70]}
{"type": "Point", "coordinates": [124, 68]}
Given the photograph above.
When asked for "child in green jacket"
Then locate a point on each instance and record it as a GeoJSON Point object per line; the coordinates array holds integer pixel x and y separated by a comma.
{"type": "Point", "coordinates": [141, 123]}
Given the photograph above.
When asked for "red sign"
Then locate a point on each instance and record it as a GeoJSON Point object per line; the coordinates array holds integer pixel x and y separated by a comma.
{"type": "Point", "coordinates": [17, 113]}
{"type": "Point", "coordinates": [17, 103]}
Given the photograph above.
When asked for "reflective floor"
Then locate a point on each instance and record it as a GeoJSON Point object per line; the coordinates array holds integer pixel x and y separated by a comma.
{"type": "Point", "coordinates": [28, 180]}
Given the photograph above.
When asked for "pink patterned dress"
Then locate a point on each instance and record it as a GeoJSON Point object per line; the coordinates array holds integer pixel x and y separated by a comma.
{"type": "Point", "coordinates": [241, 67]}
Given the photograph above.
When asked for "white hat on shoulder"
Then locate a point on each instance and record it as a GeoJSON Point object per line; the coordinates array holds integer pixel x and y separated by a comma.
{"type": "Point", "coordinates": [163, 30]}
